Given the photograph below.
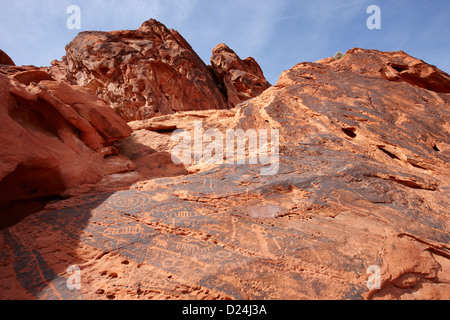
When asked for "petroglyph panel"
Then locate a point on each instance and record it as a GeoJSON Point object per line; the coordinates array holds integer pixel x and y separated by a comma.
{"type": "Point", "coordinates": [198, 236]}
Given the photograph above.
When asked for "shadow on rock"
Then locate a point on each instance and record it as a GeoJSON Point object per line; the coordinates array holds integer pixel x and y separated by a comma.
{"type": "Point", "coordinates": [37, 252]}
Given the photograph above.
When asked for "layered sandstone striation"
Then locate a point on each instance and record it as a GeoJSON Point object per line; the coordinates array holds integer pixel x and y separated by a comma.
{"type": "Point", "coordinates": [362, 185]}
{"type": "Point", "coordinates": [149, 72]}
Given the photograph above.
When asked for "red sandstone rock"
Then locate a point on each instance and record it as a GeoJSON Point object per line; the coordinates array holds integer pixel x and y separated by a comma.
{"type": "Point", "coordinates": [395, 66]}
{"type": "Point", "coordinates": [108, 125]}
{"type": "Point", "coordinates": [153, 71]}
{"type": "Point", "coordinates": [5, 59]}
{"type": "Point", "coordinates": [241, 79]}
{"type": "Point", "coordinates": [32, 75]}
{"type": "Point", "coordinates": [53, 137]}
{"type": "Point", "coordinates": [363, 182]}
{"type": "Point", "coordinates": [142, 73]}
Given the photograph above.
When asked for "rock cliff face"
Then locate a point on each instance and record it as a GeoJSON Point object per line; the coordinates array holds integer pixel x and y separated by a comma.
{"type": "Point", "coordinates": [148, 72]}
{"type": "Point", "coordinates": [357, 208]}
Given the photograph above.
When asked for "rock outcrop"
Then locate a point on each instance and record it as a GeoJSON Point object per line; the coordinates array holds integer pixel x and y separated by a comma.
{"type": "Point", "coordinates": [153, 71]}
{"type": "Point", "coordinates": [141, 73]}
{"type": "Point", "coordinates": [5, 59]}
{"type": "Point", "coordinates": [54, 137]}
{"type": "Point", "coordinates": [357, 207]}
{"type": "Point", "coordinates": [395, 66]}
{"type": "Point", "coordinates": [241, 79]}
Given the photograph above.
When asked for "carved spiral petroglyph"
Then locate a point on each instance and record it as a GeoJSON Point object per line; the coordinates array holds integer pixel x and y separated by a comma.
{"type": "Point", "coordinates": [121, 201]}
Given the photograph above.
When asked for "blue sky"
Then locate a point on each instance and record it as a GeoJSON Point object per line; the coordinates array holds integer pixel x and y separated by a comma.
{"type": "Point", "coordinates": [277, 33]}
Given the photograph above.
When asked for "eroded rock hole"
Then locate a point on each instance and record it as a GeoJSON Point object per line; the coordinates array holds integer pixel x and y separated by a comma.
{"type": "Point", "coordinates": [166, 130]}
{"type": "Point", "coordinates": [350, 132]}
{"type": "Point", "coordinates": [399, 67]}
{"type": "Point", "coordinates": [390, 154]}
{"type": "Point", "coordinates": [415, 165]}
